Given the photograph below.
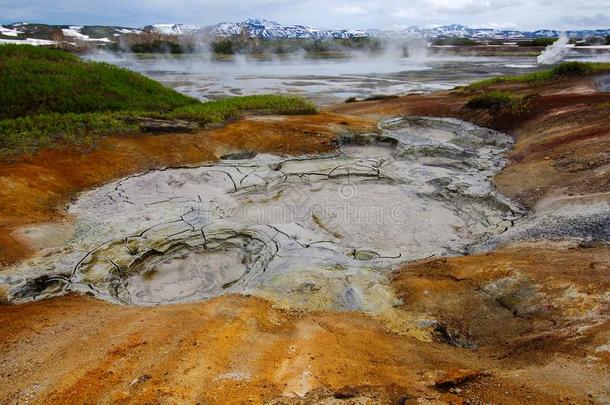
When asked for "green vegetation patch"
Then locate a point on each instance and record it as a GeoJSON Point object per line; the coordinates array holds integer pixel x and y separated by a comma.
{"type": "Point", "coordinates": [500, 101]}
{"type": "Point", "coordinates": [31, 133]}
{"type": "Point", "coordinates": [491, 100]}
{"type": "Point", "coordinates": [221, 110]}
{"type": "Point", "coordinates": [51, 98]}
{"type": "Point", "coordinates": [38, 80]}
{"type": "Point", "coordinates": [563, 70]}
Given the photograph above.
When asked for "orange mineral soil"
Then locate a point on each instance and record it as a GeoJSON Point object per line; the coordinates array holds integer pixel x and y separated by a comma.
{"type": "Point", "coordinates": [525, 323]}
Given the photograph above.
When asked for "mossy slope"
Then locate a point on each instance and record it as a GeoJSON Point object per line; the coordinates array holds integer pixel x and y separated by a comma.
{"type": "Point", "coordinates": [51, 98]}
{"type": "Point", "coordinates": [38, 80]}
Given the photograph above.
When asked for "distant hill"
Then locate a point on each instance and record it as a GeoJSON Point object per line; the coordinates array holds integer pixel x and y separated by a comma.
{"type": "Point", "coordinates": [266, 29]}
{"type": "Point", "coordinates": [462, 31]}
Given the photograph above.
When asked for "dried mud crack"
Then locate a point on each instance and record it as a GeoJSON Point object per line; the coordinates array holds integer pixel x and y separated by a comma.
{"type": "Point", "coordinates": [312, 232]}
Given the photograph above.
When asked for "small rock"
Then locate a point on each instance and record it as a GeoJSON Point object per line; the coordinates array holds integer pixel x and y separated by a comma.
{"type": "Point", "coordinates": [140, 379]}
{"type": "Point", "coordinates": [153, 125]}
{"type": "Point", "coordinates": [457, 377]}
{"type": "Point", "coordinates": [345, 393]}
{"type": "Point", "coordinates": [239, 155]}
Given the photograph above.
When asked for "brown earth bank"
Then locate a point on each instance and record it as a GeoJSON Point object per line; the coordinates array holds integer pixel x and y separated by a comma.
{"type": "Point", "coordinates": [526, 323]}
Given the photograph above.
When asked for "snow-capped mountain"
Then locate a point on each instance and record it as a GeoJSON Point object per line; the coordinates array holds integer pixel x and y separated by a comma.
{"type": "Point", "coordinates": [74, 31]}
{"type": "Point", "coordinates": [90, 33]}
{"type": "Point", "coordinates": [9, 32]}
{"type": "Point", "coordinates": [266, 29]}
{"type": "Point", "coordinates": [462, 31]}
{"type": "Point", "coordinates": [172, 29]}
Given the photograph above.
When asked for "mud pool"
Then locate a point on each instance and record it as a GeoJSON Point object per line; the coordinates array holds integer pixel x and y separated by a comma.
{"type": "Point", "coordinates": [308, 232]}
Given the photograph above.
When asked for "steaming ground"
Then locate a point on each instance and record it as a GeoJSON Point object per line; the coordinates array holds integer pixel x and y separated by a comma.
{"type": "Point", "coordinates": [331, 80]}
{"type": "Point", "coordinates": [324, 80]}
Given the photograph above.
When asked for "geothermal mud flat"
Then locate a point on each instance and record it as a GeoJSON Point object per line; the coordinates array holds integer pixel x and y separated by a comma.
{"type": "Point", "coordinates": [309, 232]}
{"type": "Point", "coordinates": [326, 80]}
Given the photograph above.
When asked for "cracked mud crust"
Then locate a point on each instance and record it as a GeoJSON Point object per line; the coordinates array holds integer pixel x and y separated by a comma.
{"type": "Point", "coordinates": [309, 232]}
{"type": "Point", "coordinates": [36, 188]}
{"type": "Point", "coordinates": [522, 318]}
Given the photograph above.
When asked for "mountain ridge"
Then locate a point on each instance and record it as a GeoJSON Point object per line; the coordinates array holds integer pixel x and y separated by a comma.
{"type": "Point", "coordinates": [267, 29]}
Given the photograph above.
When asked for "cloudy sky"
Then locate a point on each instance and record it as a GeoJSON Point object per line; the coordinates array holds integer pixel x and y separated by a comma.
{"type": "Point", "coordinates": [524, 14]}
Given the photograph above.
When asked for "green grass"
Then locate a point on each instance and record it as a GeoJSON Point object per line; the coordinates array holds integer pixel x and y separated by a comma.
{"type": "Point", "coordinates": [31, 133]}
{"type": "Point", "coordinates": [497, 101]}
{"type": "Point", "coordinates": [51, 98]}
{"type": "Point", "coordinates": [25, 135]}
{"type": "Point", "coordinates": [563, 70]}
{"type": "Point", "coordinates": [38, 80]}
{"type": "Point", "coordinates": [221, 110]}
{"type": "Point", "coordinates": [491, 100]}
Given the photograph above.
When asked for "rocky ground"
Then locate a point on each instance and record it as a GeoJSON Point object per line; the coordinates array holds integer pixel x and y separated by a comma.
{"type": "Point", "coordinates": [522, 319]}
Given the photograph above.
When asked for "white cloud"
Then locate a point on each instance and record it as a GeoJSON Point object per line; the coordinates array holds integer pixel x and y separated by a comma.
{"type": "Point", "coordinates": [530, 14]}
{"type": "Point", "coordinates": [500, 26]}
{"type": "Point", "coordinates": [405, 13]}
{"type": "Point", "coordinates": [469, 6]}
{"type": "Point", "coordinates": [596, 21]}
{"type": "Point", "coordinates": [350, 9]}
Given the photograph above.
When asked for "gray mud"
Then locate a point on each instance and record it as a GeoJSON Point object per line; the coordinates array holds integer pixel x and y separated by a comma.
{"type": "Point", "coordinates": [312, 232]}
{"type": "Point", "coordinates": [585, 219]}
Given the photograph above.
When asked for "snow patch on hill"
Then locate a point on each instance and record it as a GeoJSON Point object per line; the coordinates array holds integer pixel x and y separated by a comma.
{"type": "Point", "coordinates": [172, 29]}
{"type": "Point", "coordinates": [266, 29]}
{"type": "Point", "coordinates": [74, 32]}
{"type": "Point", "coordinates": [9, 32]}
{"type": "Point", "coordinates": [27, 41]}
